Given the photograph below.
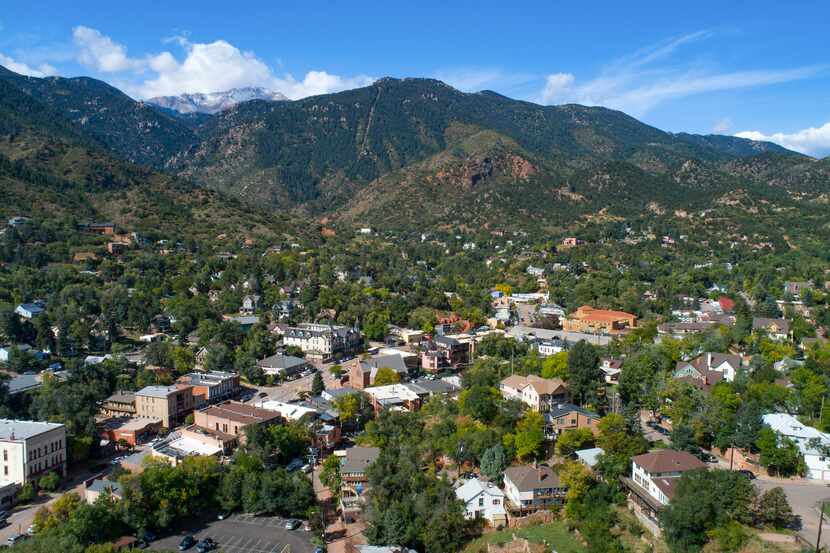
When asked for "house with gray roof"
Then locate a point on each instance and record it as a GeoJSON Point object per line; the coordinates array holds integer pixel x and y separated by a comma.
{"type": "Point", "coordinates": [530, 488]}
{"type": "Point", "coordinates": [354, 479]}
{"type": "Point", "coordinates": [282, 365]}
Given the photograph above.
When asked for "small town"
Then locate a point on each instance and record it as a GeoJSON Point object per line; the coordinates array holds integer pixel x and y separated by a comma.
{"type": "Point", "coordinates": [257, 426]}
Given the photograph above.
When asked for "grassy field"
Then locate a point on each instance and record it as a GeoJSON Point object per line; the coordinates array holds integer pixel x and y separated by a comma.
{"type": "Point", "coordinates": [556, 534]}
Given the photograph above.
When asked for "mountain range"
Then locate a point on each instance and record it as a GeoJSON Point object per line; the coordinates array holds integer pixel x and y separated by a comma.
{"type": "Point", "coordinates": [409, 152]}
{"type": "Point", "coordinates": [214, 102]}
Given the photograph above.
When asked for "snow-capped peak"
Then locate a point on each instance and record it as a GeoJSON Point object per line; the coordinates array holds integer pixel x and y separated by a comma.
{"type": "Point", "coordinates": [214, 102]}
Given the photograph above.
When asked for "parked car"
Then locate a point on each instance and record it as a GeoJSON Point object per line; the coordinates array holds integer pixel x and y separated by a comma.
{"type": "Point", "coordinates": [142, 544]}
{"type": "Point", "coordinates": [748, 473]}
{"type": "Point", "coordinates": [4, 516]}
{"type": "Point", "coordinates": [147, 536]}
{"type": "Point", "coordinates": [306, 468]}
{"type": "Point", "coordinates": [207, 544]}
{"type": "Point", "coordinates": [292, 524]}
{"type": "Point", "coordinates": [296, 464]}
{"type": "Point", "coordinates": [31, 530]}
{"type": "Point", "coordinates": [186, 543]}
{"type": "Point", "coordinates": [17, 538]}
{"type": "Point", "coordinates": [223, 515]}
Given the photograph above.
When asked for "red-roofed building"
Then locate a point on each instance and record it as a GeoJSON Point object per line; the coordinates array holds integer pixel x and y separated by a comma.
{"type": "Point", "coordinates": [727, 304]}
{"type": "Point", "coordinates": [599, 321]}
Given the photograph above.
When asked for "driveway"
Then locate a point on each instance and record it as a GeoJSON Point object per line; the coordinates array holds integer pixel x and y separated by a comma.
{"type": "Point", "coordinates": [805, 497]}
{"type": "Point", "coordinates": [245, 534]}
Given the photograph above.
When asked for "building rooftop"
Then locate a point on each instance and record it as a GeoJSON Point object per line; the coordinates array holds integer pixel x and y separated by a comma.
{"type": "Point", "coordinates": [280, 361]}
{"type": "Point", "coordinates": [358, 458]}
{"type": "Point", "coordinates": [101, 485]}
{"type": "Point", "coordinates": [158, 391]}
{"type": "Point", "coordinates": [527, 478]}
{"type": "Point", "coordinates": [23, 430]}
{"type": "Point", "coordinates": [241, 413]}
{"type": "Point", "coordinates": [472, 487]}
{"type": "Point", "coordinates": [212, 378]}
{"type": "Point", "coordinates": [121, 397]}
{"type": "Point", "coordinates": [24, 382]}
{"type": "Point", "coordinates": [668, 460]}
{"type": "Point", "coordinates": [290, 411]}
{"type": "Point", "coordinates": [589, 456]}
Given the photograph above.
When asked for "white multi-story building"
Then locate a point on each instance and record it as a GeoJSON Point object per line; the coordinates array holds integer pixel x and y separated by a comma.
{"type": "Point", "coordinates": [323, 341]}
{"type": "Point", "coordinates": [29, 450]}
{"type": "Point", "coordinates": [654, 477]}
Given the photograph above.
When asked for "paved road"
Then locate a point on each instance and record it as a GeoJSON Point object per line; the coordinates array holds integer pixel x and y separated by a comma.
{"type": "Point", "coordinates": [804, 497]}
{"type": "Point", "coordinates": [246, 534]}
{"type": "Point", "coordinates": [23, 517]}
{"type": "Point", "coordinates": [289, 391]}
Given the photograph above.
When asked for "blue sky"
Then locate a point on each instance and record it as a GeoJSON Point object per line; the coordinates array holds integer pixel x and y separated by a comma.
{"type": "Point", "coordinates": [758, 68]}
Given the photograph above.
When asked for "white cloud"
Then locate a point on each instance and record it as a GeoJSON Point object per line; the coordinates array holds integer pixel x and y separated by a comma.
{"type": "Point", "coordinates": [636, 83]}
{"type": "Point", "coordinates": [722, 126]}
{"type": "Point", "coordinates": [318, 82]}
{"type": "Point", "coordinates": [100, 52]}
{"type": "Point", "coordinates": [558, 86]}
{"type": "Point", "coordinates": [206, 67]}
{"type": "Point", "coordinates": [811, 141]}
{"type": "Point", "coordinates": [42, 70]}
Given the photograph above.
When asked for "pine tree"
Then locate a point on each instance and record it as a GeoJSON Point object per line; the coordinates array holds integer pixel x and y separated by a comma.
{"type": "Point", "coordinates": [317, 385]}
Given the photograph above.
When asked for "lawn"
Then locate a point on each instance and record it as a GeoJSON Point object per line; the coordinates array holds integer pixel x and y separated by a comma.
{"type": "Point", "coordinates": [556, 534]}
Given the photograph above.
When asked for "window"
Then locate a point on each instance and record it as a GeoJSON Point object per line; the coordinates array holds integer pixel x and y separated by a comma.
{"type": "Point", "coordinates": [5, 471]}
{"type": "Point", "coordinates": [481, 502]}
{"type": "Point", "coordinates": [5, 455]}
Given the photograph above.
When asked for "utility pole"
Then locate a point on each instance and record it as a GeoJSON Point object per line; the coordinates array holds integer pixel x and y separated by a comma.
{"type": "Point", "coordinates": [820, 523]}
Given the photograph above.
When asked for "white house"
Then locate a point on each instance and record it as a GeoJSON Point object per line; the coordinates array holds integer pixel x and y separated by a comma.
{"type": "Point", "coordinates": [706, 363]}
{"type": "Point", "coordinates": [540, 394]}
{"type": "Point", "coordinates": [30, 310]}
{"type": "Point", "coordinates": [550, 347]}
{"type": "Point", "coordinates": [810, 442]}
{"type": "Point", "coordinates": [483, 500]}
{"type": "Point", "coordinates": [6, 352]}
{"type": "Point", "coordinates": [654, 477]}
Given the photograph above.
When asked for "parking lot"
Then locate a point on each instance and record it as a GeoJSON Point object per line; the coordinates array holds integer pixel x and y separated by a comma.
{"type": "Point", "coordinates": [246, 534]}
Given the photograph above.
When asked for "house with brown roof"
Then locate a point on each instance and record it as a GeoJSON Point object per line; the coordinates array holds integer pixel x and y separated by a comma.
{"type": "Point", "coordinates": [599, 321]}
{"type": "Point", "coordinates": [654, 478]}
{"type": "Point", "coordinates": [540, 394]}
{"type": "Point", "coordinates": [530, 488]}
{"type": "Point", "coordinates": [231, 417]}
{"type": "Point", "coordinates": [777, 329]}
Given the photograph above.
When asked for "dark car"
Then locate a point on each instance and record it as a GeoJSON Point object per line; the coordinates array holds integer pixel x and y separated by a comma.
{"type": "Point", "coordinates": [206, 545]}
{"type": "Point", "coordinates": [708, 457]}
{"type": "Point", "coordinates": [147, 536]}
{"type": "Point", "coordinates": [186, 543]}
{"type": "Point", "coordinates": [748, 473]}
